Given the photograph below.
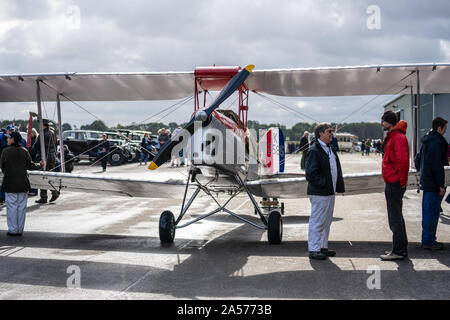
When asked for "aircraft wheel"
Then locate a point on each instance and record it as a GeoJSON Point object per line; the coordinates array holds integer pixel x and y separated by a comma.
{"type": "Point", "coordinates": [275, 227]}
{"type": "Point", "coordinates": [167, 227]}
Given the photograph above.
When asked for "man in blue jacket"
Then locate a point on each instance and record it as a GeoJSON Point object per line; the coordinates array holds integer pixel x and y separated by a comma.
{"type": "Point", "coordinates": [431, 161]}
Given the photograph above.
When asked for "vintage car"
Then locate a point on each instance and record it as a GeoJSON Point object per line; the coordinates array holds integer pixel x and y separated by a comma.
{"type": "Point", "coordinates": [84, 145]}
{"type": "Point", "coordinates": [134, 137]}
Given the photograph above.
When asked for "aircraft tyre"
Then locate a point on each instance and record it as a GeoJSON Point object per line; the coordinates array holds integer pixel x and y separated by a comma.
{"type": "Point", "coordinates": [167, 227]}
{"type": "Point", "coordinates": [275, 227]}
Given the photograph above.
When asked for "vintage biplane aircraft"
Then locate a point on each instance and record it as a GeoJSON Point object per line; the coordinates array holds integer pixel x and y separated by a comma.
{"type": "Point", "coordinates": [224, 155]}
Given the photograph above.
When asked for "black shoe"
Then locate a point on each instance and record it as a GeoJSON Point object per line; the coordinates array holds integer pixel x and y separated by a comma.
{"type": "Point", "coordinates": [13, 234]}
{"type": "Point", "coordinates": [434, 246]}
{"type": "Point", "coordinates": [328, 253]}
{"type": "Point", "coordinates": [54, 197]}
{"type": "Point", "coordinates": [317, 255]}
{"type": "Point", "coordinates": [41, 200]}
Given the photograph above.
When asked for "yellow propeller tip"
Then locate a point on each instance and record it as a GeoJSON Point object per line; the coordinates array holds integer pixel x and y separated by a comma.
{"type": "Point", "coordinates": [250, 67]}
{"type": "Point", "coordinates": [152, 166]}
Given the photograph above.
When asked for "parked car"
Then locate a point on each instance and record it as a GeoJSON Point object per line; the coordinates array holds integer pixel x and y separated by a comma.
{"type": "Point", "coordinates": [84, 145]}
{"type": "Point", "coordinates": [134, 137]}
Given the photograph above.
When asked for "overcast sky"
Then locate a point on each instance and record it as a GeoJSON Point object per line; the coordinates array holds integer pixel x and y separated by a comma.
{"type": "Point", "coordinates": [134, 35]}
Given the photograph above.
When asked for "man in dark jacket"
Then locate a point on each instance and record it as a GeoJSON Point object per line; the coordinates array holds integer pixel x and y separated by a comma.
{"type": "Point", "coordinates": [303, 148]}
{"type": "Point", "coordinates": [103, 151]}
{"type": "Point", "coordinates": [50, 143]}
{"type": "Point", "coordinates": [431, 161]}
{"type": "Point", "coordinates": [324, 176]}
{"type": "Point", "coordinates": [394, 168]}
{"type": "Point", "coordinates": [14, 162]}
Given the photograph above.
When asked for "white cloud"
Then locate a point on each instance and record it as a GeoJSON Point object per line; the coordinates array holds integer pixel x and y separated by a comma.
{"type": "Point", "coordinates": [301, 104]}
{"type": "Point", "coordinates": [445, 49]}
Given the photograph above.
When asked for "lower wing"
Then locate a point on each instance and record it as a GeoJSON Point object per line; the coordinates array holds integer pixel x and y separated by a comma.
{"type": "Point", "coordinates": [282, 186]}
{"type": "Point", "coordinates": [106, 185]}
{"type": "Point", "coordinates": [288, 187]}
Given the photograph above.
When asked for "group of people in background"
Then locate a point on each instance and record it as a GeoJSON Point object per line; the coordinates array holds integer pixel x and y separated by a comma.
{"type": "Point", "coordinates": [367, 145]}
{"type": "Point", "coordinates": [149, 146]}
{"type": "Point", "coordinates": [324, 175]}
{"type": "Point", "coordinates": [16, 157]}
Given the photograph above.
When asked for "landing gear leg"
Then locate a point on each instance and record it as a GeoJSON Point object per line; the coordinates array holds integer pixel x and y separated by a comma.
{"type": "Point", "coordinates": [167, 222]}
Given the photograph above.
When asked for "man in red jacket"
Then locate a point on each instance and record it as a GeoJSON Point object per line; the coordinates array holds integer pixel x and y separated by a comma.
{"type": "Point", "coordinates": [395, 168]}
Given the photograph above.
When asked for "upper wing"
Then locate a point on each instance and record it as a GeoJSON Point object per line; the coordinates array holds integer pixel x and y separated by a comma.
{"type": "Point", "coordinates": [98, 86]}
{"type": "Point", "coordinates": [362, 183]}
{"type": "Point", "coordinates": [114, 186]}
{"type": "Point", "coordinates": [351, 81]}
{"type": "Point", "coordinates": [308, 82]}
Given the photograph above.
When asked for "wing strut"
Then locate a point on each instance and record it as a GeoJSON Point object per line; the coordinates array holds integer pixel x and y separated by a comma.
{"type": "Point", "coordinates": [41, 127]}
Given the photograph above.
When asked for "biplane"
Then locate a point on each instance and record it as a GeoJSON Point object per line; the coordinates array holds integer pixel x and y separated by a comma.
{"type": "Point", "coordinates": [223, 153]}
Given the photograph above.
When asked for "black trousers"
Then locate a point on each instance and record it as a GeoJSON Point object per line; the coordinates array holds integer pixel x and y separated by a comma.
{"type": "Point", "coordinates": [303, 160]}
{"type": "Point", "coordinates": [51, 160]}
{"type": "Point", "coordinates": [104, 160]}
{"type": "Point", "coordinates": [394, 201]}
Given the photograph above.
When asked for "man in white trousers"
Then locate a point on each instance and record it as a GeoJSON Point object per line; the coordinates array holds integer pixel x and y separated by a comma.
{"type": "Point", "coordinates": [324, 175]}
{"type": "Point", "coordinates": [14, 162]}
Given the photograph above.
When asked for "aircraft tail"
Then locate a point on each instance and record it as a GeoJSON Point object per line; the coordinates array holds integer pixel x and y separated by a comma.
{"type": "Point", "coordinates": [271, 151]}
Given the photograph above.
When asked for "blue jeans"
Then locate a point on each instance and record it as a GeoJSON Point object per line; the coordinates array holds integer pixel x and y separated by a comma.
{"type": "Point", "coordinates": [430, 216]}
{"type": "Point", "coordinates": [144, 155]}
{"type": "Point", "coordinates": [2, 196]}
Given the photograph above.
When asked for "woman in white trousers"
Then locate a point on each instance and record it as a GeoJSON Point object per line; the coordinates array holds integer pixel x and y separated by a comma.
{"type": "Point", "coordinates": [14, 162]}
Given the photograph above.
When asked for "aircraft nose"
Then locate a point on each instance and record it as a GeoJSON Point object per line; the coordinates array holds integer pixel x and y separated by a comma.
{"type": "Point", "coordinates": [201, 116]}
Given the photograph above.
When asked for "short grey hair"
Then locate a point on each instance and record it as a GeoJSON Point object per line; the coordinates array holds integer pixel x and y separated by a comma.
{"type": "Point", "coordinates": [320, 128]}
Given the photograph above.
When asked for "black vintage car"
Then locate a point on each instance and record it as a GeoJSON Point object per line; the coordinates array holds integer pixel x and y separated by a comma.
{"type": "Point", "coordinates": [84, 145]}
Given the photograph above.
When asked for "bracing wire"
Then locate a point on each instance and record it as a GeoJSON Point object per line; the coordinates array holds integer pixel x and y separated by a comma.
{"type": "Point", "coordinates": [362, 107]}
{"type": "Point", "coordinates": [385, 90]}
{"type": "Point", "coordinates": [285, 107]}
{"type": "Point", "coordinates": [177, 105]}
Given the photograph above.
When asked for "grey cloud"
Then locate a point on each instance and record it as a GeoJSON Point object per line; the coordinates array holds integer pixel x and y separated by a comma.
{"type": "Point", "coordinates": [180, 35]}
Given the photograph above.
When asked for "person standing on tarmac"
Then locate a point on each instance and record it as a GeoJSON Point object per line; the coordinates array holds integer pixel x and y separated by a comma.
{"type": "Point", "coordinates": [103, 151]}
{"type": "Point", "coordinates": [14, 163]}
{"type": "Point", "coordinates": [324, 175]}
{"type": "Point", "coordinates": [431, 161]}
{"type": "Point", "coordinates": [4, 144]}
{"type": "Point", "coordinates": [394, 169]}
{"type": "Point", "coordinates": [50, 143]}
{"type": "Point", "coordinates": [303, 148]}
